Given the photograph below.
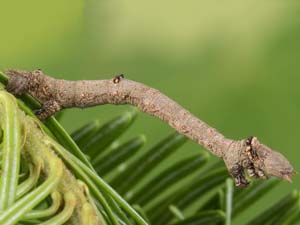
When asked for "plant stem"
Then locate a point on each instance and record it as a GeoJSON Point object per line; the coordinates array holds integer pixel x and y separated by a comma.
{"type": "Point", "coordinates": [11, 126]}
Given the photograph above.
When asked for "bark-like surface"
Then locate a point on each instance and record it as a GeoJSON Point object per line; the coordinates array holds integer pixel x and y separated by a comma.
{"type": "Point", "coordinates": [56, 94]}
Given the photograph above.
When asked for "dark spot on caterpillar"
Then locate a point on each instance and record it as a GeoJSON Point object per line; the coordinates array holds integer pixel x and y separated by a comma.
{"type": "Point", "coordinates": [249, 141]}
{"type": "Point", "coordinates": [237, 172]}
{"type": "Point", "coordinates": [250, 151]}
{"type": "Point", "coordinates": [118, 78]}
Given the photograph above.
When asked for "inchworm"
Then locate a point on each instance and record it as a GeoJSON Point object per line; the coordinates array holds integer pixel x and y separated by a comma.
{"type": "Point", "coordinates": [56, 94]}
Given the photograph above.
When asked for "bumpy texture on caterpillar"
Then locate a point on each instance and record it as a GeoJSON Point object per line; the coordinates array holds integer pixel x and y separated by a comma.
{"type": "Point", "coordinates": [56, 94]}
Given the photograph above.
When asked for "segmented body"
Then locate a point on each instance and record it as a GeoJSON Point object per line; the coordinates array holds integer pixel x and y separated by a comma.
{"type": "Point", "coordinates": [56, 94]}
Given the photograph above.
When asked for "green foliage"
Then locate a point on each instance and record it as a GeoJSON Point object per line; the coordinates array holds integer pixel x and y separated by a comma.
{"type": "Point", "coordinates": [38, 187]}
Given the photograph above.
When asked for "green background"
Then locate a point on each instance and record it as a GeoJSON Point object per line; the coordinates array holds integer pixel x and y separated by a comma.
{"type": "Point", "coordinates": [234, 64]}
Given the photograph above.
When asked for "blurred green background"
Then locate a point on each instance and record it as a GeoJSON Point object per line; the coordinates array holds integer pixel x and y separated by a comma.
{"type": "Point", "coordinates": [235, 64]}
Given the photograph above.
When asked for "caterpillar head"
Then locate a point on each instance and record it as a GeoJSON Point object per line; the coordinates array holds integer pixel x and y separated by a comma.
{"type": "Point", "coordinates": [272, 162]}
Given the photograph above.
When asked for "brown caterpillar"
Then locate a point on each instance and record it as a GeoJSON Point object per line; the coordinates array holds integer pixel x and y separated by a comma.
{"type": "Point", "coordinates": [56, 94]}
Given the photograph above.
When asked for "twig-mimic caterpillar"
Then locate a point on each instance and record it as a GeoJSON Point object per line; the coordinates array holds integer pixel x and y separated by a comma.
{"type": "Point", "coordinates": [56, 94]}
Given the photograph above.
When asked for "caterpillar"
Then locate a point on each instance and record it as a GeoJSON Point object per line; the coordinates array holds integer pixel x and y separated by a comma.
{"type": "Point", "coordinates": [56, 94]}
